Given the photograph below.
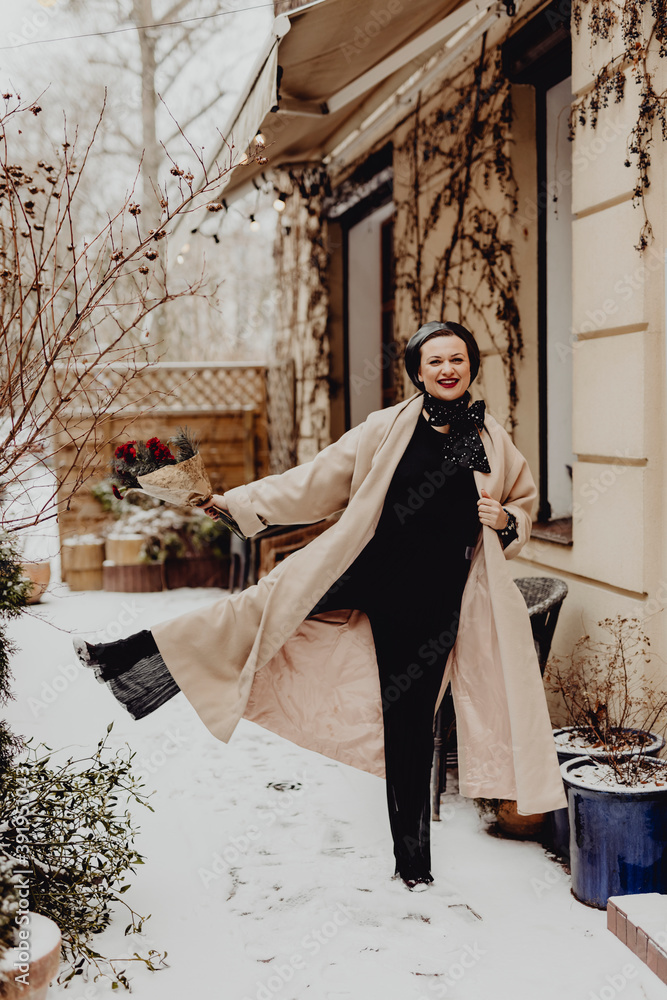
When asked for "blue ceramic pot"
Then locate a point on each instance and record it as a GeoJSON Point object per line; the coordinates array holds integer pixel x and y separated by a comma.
{"type": "Point", "coordinates": [618, 838]}
{"type": "Point", "coordinates": [558, 823]}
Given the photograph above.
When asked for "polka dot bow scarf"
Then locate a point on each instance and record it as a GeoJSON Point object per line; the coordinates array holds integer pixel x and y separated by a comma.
{"type": "Point", "coordinates": [463, 445]}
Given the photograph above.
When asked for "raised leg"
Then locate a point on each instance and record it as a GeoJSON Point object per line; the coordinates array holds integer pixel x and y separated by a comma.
{"type": "Point", "coordinates": [132, 669]}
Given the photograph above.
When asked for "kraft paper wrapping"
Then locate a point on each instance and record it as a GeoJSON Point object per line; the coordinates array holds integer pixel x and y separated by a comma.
{"type": "Point", "coordinates": [184, 484]}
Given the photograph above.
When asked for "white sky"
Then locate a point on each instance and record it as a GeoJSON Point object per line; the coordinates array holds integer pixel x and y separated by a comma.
{"type": "Point", "coordinates": [67, 68]}
{"type": "Point", "coordinates": [72, 76]}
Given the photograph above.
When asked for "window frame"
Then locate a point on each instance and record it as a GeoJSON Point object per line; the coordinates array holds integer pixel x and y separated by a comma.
{"type": "Point", "coordinates": [539, 54]}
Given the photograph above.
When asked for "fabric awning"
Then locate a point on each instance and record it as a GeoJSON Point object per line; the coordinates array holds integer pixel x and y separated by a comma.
{"type": "Point", "coordinates": [330, 64]}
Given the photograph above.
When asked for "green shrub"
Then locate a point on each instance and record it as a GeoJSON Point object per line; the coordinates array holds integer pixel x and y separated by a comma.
{"type": "Point", "coordinates": [14, 593]}
{"type": "Point", "coordinates": [70, 826]}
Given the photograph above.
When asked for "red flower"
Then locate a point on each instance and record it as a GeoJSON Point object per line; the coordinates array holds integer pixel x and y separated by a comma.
{"type": "Point", "coordinates": [160, 452]}
{"type": "Point", "coordinates": [126, 452]}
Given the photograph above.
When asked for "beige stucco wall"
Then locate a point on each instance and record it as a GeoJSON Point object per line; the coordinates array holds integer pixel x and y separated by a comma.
{"type": "Point", "coordinates": [618, 562]}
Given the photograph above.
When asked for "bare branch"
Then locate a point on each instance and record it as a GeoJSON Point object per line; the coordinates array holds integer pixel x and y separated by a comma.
{"type": "Point", "coordinates": [70, 309]}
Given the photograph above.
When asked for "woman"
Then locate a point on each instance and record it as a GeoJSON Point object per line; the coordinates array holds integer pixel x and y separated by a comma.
{"type": "Point", "coordinates": [348, 645]}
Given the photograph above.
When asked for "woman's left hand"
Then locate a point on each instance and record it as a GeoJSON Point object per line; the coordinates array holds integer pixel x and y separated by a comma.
{"type": "Point", "coordinates": [491, 512]}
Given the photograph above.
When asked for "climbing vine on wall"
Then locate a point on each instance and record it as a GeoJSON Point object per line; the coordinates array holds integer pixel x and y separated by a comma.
{"type": "Point", "coordinates": [461, 183]}
{"type": "Point", "coordinates": [641, 28]}
{"type": "Point", "coordinates": [301, 264]}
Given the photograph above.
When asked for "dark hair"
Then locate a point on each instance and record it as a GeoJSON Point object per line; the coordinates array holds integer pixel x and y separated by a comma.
{"type": "Point", "coordinates": [426, 332]}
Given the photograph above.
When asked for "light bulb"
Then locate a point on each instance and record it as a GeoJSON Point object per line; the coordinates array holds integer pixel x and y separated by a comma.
{"type": "Point", "coordinates": [279, 203]}
{"type": "Point", "coordinates": [260, 139]}
{"type": "Point", "coordinates": [254, 224]}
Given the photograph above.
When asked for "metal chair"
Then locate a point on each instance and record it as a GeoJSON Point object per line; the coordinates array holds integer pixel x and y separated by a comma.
{"type": "Point", "coordinates": [240, 562]}
{"type": "Point", "coordinates": [544, 596]}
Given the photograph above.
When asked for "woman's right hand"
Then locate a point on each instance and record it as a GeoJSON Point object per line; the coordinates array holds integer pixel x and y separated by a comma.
{"type": "Point", "coordinates": [217, 502]}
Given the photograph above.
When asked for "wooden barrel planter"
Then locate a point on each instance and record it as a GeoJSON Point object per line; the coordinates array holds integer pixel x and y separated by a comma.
{"type": "Point", "coordinates": [197, 571]}
{"type": "Point", "coordinates": [126, 570]}
{"type": "Point", "coordinates": [81, 564]}
{"type": "Point", "coordinates": [125, 550]}
{"type": "Point", "coordinates": [142, 578]}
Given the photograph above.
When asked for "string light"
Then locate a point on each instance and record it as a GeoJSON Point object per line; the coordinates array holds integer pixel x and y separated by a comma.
{"type": "Point", "coordinates": [260, 139]}
{"type": "Point", "coordinates": [254, 224]}
{"type": "Point", "coordinates": [279, 203]}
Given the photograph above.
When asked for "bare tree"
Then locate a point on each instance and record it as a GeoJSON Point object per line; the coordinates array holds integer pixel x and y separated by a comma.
{"type": "Point", "coordinates": [71, 305]}
{"type": "Point", "coordinates": [168, 62]}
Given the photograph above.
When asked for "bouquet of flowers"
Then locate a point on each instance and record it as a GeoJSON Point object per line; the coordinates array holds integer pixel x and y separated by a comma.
{"type": "Point", "coordinates": [181, 479]}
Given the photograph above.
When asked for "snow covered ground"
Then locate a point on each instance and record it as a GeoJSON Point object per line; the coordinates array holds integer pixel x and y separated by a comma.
{"type": "Point", "coordinates": [260, 892]}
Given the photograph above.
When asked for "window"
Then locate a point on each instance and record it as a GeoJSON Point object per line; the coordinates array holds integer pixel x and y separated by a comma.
{"type": "Point", "coordinates": [539, 55]}
{"type": "Point", "coordinates": [369, 313]}
{"type": "Point", "coordinates": [388, 270]}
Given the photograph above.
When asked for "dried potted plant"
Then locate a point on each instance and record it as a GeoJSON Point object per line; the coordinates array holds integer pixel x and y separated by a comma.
{"type": "Point", "coordinates": [610, 705]}
{"type": "Point", "coordinates": [616, 788]}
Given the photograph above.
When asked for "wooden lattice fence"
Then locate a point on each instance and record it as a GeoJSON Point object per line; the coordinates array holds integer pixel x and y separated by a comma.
{"type": "Point", "coordinates": [242, 415]}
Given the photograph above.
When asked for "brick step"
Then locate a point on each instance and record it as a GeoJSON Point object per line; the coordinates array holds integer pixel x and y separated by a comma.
{"type": "Point", "coordinates": [640, 922]}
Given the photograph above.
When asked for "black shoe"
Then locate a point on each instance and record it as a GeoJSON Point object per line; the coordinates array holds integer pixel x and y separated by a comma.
{"type": "Point", "coordinates": [418, 884]}
{"type": "Point", "coordinates": [110, 659]}
{"type": "Point", "coordinates": [132, 669]}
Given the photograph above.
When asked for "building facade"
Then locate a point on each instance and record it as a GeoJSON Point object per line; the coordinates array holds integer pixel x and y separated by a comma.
{"type": "Point", "coordinates": [487, 179]}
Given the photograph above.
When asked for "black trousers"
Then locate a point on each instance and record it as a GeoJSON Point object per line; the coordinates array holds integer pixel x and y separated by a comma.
{"type": "Point", "coordinates": [412, 641]}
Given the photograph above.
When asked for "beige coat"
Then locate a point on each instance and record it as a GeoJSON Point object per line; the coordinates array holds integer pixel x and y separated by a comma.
{"type": "Point", "coordinates": [315, 682]}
